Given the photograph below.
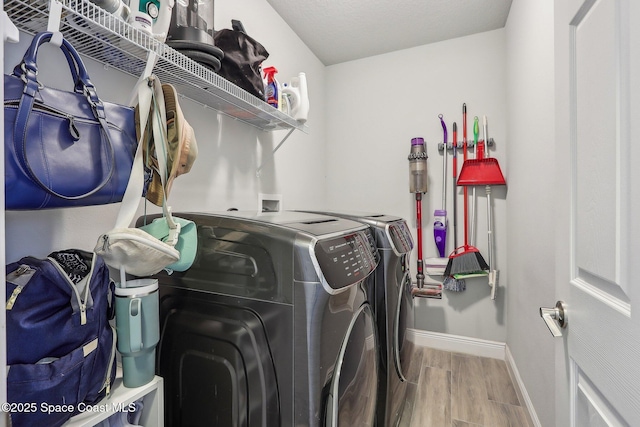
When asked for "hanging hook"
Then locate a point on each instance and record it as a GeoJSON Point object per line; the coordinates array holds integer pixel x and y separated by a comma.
{"type": "Point", "coordinates": [53, 25]}
{"type": "Point", "coordinates": [10, 32]}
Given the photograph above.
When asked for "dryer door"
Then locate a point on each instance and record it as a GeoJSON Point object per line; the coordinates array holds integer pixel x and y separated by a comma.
{"type": "Point", "coordinates": [354, 387]}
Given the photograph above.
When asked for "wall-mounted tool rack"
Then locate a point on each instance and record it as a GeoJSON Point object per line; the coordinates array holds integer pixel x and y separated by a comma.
{"type": "Point", "coordinates": [106, 38]}
{"type": "Point", "coordinates": [460, 145]}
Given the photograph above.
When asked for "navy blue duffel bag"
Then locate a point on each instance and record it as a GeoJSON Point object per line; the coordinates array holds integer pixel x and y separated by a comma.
{"type": "Point", "coordinates": [60, 345]}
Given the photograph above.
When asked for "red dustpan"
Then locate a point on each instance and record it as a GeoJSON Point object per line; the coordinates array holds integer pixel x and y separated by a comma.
{"type": "Point", "coordinates": [481, 171]}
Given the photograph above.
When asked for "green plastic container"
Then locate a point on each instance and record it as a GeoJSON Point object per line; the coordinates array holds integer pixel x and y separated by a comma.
{"type": "Point", "coordinates": [138, 330]}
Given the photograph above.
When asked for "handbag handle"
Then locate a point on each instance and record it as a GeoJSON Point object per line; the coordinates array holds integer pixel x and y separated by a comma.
{"type": "Point", "coordinates": [76, 65]}
{"type": "Point", "coordinates": [19, 69]}
{"type": "Point", "coordinates": [31, 86]}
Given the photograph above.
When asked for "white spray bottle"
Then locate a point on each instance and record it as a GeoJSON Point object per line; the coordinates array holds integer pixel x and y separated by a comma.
{"type": "Point", "coordinates": [298, 97]}
{"type": "Point", "coordinates": [159, 11]}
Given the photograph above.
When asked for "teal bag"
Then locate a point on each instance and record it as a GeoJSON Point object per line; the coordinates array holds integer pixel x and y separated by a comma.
{"type": "Point", "coordinates": [184, 239]}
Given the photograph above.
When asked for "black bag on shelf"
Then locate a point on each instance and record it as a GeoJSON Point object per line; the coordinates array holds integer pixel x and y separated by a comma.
{"type": "Point", "coordinates": [60, 346]}
{"type": "Point", "coordinates": [243, 57]}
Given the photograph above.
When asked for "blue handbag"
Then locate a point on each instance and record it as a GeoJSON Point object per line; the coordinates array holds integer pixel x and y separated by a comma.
{"type": "Point", "coordinates": [63, 148]}
{"type": "Point", "coordinates": [60, 346]}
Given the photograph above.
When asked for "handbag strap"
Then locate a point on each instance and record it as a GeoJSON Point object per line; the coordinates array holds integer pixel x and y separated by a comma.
{"type": "Point", "coordinates": [31, 87]}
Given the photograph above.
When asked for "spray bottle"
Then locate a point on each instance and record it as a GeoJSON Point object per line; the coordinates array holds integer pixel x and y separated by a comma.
{"type": "Point", "coordinates": [272, 92]}
{"type": "Point", "coordinates": [298, 97]}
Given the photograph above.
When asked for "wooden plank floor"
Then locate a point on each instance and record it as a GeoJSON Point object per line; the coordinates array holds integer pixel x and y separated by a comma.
{"type": "Point", "coordinates": [461, 390]}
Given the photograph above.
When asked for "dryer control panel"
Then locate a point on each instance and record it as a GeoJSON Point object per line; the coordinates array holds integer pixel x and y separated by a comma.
{"type": "Point", "coordinates": [400, 237]}
{"type": "Point", "coordinates": [347, 259]}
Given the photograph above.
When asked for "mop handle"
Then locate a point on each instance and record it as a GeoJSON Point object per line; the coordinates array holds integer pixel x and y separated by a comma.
{"type": "Point", "coordinates": [444, 164]}
{"type": "Point", "coordinates": [455, 183]}
{"type": "Point", "coordinates": [476, 131]}
{"type": "Point", "coordinates": [485, 135]}
{"type": "Point", "coordinates": [488, 190]}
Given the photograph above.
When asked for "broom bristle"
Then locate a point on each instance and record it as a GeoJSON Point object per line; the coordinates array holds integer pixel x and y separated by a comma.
{"type": "Point", "coordinates": [447, 269]}
{"type": "Point", "coordinates": [468, 262]}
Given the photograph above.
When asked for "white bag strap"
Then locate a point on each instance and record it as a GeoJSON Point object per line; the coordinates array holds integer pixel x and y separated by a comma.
{"type": "Point", "coordinates": [132, 194]}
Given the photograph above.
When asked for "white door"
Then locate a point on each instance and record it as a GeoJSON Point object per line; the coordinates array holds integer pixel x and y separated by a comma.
{"type": "Point", "coordinates": [598, 228]}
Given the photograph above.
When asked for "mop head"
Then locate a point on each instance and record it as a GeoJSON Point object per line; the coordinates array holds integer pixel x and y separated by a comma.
{"type": "Point", "coordinates": [435, 266]}
{"type": "Point", "coordinates": [452, 284]}
{"type": "Point", "coordinates": [466, 262]}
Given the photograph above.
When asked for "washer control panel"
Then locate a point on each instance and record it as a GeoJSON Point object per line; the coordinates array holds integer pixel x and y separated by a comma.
{"type": "Point", "coordinates": [347, 259]}
{"type": "Point", "coordinates": [400, 237]}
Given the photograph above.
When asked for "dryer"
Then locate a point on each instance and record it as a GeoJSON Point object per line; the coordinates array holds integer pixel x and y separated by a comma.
{"type": "Point", "coordinates": [390, 296]}
{"type": "Point", "coordinates": [271, 326]}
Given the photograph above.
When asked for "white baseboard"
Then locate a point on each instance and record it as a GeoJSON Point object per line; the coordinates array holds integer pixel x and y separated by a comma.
{"type": "Point", "coordinates": [521, 390]}
{"type": "Point", "coordinates": [459, 344]}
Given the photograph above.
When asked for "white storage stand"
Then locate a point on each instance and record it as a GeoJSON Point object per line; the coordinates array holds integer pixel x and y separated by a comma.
{"type": "Point", "coordinates": [121, 396]}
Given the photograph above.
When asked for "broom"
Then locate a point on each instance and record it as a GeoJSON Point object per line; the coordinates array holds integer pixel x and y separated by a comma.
{"type": "Point", "coordinates": [465, 259]}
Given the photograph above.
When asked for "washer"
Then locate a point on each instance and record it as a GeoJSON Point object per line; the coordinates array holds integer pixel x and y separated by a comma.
{"type": "Point", "coordinates": [390, 295]}
{"type": "Point", "coordinates": [271, 326]}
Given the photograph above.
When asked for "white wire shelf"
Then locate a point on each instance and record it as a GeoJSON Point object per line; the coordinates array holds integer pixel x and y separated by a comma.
{"type": "Point", "coordinates": [101, 36]}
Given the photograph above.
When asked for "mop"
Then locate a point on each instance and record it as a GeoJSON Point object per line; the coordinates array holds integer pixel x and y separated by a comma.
{"type": "Point", "coordinates": [440, 215]}
{"type": "Point", "coordinates": [465, 259]}
{"type": "Point", "coordinates": [493, 273]}
{"type": "Point", "coordinates": [436, 266]}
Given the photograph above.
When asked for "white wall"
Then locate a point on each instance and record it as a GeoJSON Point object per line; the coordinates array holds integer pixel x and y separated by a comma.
{"type": "Point", "coordinates": [530, 213]}
{"type": "Point", "coordinates": [230, 152]}
{"type": "Point", "coordinates": [374, 107]}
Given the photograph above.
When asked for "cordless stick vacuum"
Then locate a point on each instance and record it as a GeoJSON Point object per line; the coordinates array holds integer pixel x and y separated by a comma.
{"type": "Point", "coordinates": [418, 186]}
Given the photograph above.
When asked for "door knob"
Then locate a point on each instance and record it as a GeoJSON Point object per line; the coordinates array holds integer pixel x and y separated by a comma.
{"type": "Point", "coordinates": [555, 318]}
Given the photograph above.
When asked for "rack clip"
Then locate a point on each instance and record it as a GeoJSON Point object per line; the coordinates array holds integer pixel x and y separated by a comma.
{"type": "Point", "coordinates": [55, 15]}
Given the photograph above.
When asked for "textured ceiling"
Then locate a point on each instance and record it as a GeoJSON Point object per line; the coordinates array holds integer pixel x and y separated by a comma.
{"type": "Point", "coordinates": [343, 30]}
